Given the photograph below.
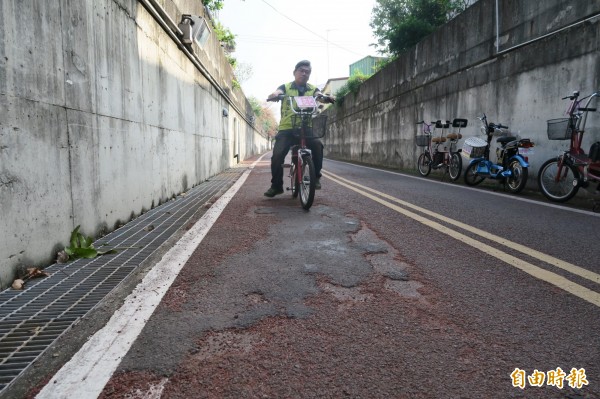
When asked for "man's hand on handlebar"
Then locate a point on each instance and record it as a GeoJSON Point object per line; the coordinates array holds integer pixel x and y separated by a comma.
{"type": "Point", "coordinates": [324, 98]}
{"type": "Point", "coordinates": [275, 97]}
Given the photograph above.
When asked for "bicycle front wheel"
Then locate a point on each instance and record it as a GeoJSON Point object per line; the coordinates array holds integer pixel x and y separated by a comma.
{"type": "Point", "coordinates": [308, 183]}
{"type": "Point", "coordinates": [455, 166]}
{"type": "Point", "coordinates": [424, 164]}
{"type": "Point", "coordinates": [518, 177]}
{"type": "Point", "coordinates": [294, 179]}
{"type": "Point", "coordinates": [555, 187]}
{"type": "Point", "coordinates": [471, 176]}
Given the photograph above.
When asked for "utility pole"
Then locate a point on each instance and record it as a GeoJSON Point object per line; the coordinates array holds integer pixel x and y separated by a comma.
{"type": "Point", "coordinates": [328, 72]}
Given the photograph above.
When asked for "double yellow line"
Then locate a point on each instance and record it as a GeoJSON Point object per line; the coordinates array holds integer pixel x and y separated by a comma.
{"type": "Point", "coordinates": [535, 271]}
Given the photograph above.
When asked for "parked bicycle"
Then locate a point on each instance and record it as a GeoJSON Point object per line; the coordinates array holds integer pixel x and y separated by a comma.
{"type": "Point", "coordinates": [561, 177]}
{"type": "Point", "coordinates": [512, 164]}
{"type": "Point", "coordinates": [440, 152]}
{"type": "Point", "coordinates": [302, 169]}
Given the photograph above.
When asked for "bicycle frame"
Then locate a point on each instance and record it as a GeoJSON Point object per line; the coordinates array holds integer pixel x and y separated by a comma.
{"type": "Point", "coordinates": [304, 108]}
{"type": "Point", "coordinates": [440, 151]}
{"type": "Point", "coordinates": [575, 155]}
{"type": "Point", "coordinates": [511, 168]}
{"type": "Point", "coordinates": [560, 178]}
{"type": "Point", "coordinates": [488, 167]}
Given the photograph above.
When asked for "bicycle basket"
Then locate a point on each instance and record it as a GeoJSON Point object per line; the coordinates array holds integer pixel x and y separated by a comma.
{"type": "Point", "coordinates": [319, 126]}
{"type": "Point", "coordinates": [316, 128]}
{"type": "Point", "coordinates": [423, 140]}
{"type": "Point", "coordinates": [474, 147]}
{"type": "Point", "coordinates": [558, 129]}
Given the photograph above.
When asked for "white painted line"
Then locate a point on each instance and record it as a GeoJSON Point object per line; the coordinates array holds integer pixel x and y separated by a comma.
{"type": "Point", "coordinates": [86, 374]}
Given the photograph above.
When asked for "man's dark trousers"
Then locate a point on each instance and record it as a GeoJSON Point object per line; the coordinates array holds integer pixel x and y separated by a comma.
{"type": "Point", "coordinates": [283, 141]}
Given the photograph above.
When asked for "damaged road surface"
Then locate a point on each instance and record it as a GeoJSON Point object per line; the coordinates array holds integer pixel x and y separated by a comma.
{"type": "Point", "coordinates": [352, 299]}
{"type": "Point", "coordinates": [268, 301]}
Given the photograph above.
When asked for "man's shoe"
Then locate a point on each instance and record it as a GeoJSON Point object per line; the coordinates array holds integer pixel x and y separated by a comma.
{"type": "Point", "coordinates": [318, 184]}
{"type": "Point", "coordinates": [273, 192]}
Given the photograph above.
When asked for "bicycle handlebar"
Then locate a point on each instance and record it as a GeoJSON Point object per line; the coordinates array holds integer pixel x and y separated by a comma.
{"type": "Point", "coordinates": [318, 96]}
{"type": "Point", "coordinates": [494, 126]}
{"type": "Point", "coordinates": [303, 110]}
{"type": "Point", "coordinates": [575, 95]}
{"type": "Point", "coordinates": [572, 96]}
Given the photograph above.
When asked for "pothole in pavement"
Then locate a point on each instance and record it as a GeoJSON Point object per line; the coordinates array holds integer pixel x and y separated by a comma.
{"type": "Point", "coordinates": [387, 262]}
{"type": "Point", "coordinates": [345, 294]}
{"type": "Point", "coordinates": [256, 298]}
{"type": "Point", "coordinates": [219, 343]}
{"type": "Point", "coordinates": [405, 288]}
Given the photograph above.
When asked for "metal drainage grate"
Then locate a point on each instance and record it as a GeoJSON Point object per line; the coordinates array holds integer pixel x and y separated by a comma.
{"type": "Point", "coordinates": [32, 319]}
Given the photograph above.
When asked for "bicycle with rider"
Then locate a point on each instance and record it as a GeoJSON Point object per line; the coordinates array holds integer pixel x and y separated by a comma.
{"type": "Point", "coordinates": [285, 137]}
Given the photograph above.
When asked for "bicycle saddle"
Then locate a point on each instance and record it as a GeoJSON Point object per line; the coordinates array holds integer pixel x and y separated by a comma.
{"type": "Point", "coordinates": [454, 136]}
{"type": "Point", "coordinates": [505, 139]}
{"type": "Point", "coordinates": [438, 140]}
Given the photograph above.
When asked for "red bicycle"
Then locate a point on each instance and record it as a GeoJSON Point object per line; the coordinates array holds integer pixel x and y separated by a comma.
{"type": "Point", "coordinates": [560, 178]}
{"type": "Point", "coordinates": [302, 174]}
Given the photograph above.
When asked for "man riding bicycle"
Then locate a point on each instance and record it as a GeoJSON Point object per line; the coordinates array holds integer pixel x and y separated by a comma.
{"type": "Point", "coordinates": [285, 137]}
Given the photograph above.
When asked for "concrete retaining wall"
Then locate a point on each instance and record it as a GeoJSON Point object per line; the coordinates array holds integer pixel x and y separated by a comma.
{"type": "Point", "coordinates": [102, 117]}
{"type": "Point", "coordinates": [459, 72]}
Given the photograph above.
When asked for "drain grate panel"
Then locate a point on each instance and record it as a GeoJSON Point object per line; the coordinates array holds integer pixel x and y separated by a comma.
{"type": "Point", "coordinates": [32, 319]}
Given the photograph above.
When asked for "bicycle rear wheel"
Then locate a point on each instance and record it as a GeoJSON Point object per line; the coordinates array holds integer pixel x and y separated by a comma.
{"type": "Point", "coordinates": [565, 187]}
{"type": "Point", "coordinates": [455, 166]}
{"type": "Point", "coordinates": [308, 182]}
{"type": "Point", "coordinates": [424, 164]}
{"type": "Point", "coordinates": [518, 177]}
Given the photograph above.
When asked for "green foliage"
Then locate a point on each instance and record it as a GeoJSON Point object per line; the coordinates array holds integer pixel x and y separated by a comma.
{"type": "Point", "coordinates": [235, 84]}
{"type": "Point", "coordinates": [225, 37]}
{"type": "Point", "coordinates": [352, 86]}
{"type": "Point", "coordinates": [232, 61]}
{"type": "Point", "coordinates": [81, 247]}
{"type": "Point", "coordinates": [264, 119]}
{"type": "Point", "coordinates": [256, 106]}
{"type": "Point", "coordinates": [400, 24]}
{"type": "Point", "coordinates": [213, 5]}
{"type": "Point", "coordinates": [408, 33]}
{"type": "Point", "coordinates": [382, 63]}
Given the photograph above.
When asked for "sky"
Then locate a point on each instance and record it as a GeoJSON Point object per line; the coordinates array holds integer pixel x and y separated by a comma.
{"type": "Point", "coordinates": [273, 35]}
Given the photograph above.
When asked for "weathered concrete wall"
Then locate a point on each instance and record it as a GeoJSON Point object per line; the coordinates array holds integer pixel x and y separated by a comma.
{"type": "Point", "coordinates": [457, 72]}
{"type": "Point", "coordinates": [102, 116]}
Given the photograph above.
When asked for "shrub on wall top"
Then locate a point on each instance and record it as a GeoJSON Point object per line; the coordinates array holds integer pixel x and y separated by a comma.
{"type": "Point", "coordinates": [351, 86]}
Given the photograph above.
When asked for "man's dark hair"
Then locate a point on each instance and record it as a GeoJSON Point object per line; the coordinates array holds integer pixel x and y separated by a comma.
{"type": "Point", "coordinates": [305, 63]}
